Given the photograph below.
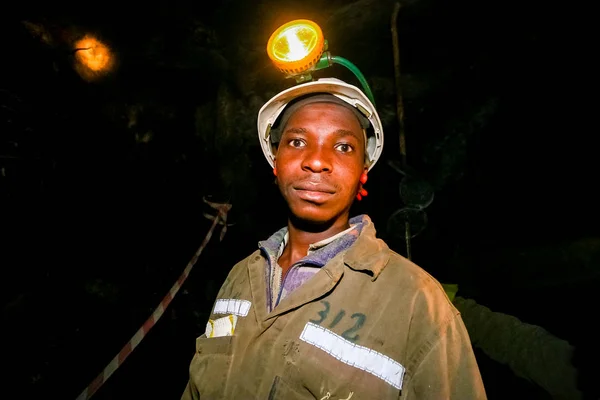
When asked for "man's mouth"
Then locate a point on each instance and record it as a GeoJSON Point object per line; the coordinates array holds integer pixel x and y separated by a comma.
{"type": "Point", "coordinates": [315, 192]}
{"type": "Point", "coordinates": [311, 186]}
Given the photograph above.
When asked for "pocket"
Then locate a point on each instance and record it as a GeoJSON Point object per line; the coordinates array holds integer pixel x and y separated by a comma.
{"type": "Point", "coordinates": [210, 365]}
{"type": "Point", "coordinates": [214, 345]}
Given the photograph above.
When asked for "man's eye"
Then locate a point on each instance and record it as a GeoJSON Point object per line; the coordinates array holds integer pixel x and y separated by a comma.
{"type": "Point", "coordinates": [297, 143]}
{"type": "Point", "coordinates": [344, 148]}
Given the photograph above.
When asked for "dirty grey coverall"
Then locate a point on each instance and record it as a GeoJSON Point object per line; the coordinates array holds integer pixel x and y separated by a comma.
{"type": "Point", "coordinates": [370, 324]}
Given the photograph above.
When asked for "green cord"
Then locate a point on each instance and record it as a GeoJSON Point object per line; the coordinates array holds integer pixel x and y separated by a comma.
{"type": "Point", "coordinates": [363, 81]}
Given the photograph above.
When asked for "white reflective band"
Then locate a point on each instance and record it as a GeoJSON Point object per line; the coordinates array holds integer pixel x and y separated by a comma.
{"type": "Point", "coordinates": [354, 355]}
{"type": "Point", "coordinates": [232, 306]}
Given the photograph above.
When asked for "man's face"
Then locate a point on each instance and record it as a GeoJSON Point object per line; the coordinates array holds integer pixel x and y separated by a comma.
{"type": "Point", "coordinates": [319, 162]}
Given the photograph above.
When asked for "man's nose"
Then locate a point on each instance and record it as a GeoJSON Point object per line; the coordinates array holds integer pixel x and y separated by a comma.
{"type": "Point", "coordinates": [317, 160]}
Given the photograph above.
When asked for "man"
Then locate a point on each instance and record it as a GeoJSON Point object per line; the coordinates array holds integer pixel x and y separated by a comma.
{"type": "Point", "coordinates": [323, 309]}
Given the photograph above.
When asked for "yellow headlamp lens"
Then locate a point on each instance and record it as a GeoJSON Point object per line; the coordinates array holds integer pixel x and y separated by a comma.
{"type": "Point", "coordinates": [296, 47]}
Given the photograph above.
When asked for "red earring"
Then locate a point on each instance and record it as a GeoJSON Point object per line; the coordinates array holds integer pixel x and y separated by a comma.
{"type": "Point", "coordinates": [275, 171]}
{"type": "Point", "coordinates": [363, 178]}
{"type": "Point", "coordinates": [362, 192]}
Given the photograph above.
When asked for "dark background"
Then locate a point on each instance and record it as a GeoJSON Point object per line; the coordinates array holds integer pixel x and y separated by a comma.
{"type": "Point", "coordinates": [102, 176]}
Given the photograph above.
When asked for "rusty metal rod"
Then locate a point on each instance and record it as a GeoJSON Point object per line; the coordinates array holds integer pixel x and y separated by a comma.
{"type": "Point", "coordinates": [400, 114]}
{"type": "Point", "coordinates": [399, 100]}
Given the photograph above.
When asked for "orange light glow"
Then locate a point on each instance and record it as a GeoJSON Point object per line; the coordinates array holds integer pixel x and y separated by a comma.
{"type": "Point", "coordinates": [93, 58]}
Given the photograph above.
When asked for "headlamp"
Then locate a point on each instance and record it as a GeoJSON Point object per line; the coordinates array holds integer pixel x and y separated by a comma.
{"type": "Point", "coordinates": [298, 48]}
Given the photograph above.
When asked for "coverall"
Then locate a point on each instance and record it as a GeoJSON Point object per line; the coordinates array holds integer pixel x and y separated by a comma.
{"type": "Point", "coordinates": [367, 324]}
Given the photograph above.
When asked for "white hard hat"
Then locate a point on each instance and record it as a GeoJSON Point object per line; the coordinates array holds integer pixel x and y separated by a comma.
{"type": "Point", "coordinates": [268, 114]}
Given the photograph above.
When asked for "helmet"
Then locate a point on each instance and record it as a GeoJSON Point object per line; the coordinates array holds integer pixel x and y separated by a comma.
{"type": "Point", "coordinates": [268, 114]}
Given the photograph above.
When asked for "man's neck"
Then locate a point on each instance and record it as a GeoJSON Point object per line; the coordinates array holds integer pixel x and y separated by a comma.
{"type": "Point", "coordinates": [300, 238]}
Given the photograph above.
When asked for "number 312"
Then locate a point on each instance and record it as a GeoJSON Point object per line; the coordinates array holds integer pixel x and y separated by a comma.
{"type": "Point", "coordinates": [347, 334]}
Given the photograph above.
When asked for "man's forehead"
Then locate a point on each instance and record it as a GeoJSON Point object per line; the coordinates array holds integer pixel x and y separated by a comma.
{"type": "Point", "coordinates": [330, 113]}
{"type": "Point", "coordinates": [300, 102]}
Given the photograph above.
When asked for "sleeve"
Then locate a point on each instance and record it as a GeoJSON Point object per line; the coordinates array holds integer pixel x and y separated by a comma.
{"type": "Point", "coordinates": [529, 350]}
{"type": "Point", "coordinates": [191, 391]}
{"type": "Point", "coordinates": [447, 369]}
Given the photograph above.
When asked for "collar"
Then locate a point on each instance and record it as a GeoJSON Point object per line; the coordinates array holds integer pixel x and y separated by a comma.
{"type": "Point", "coordinates": [319, 253]}
{"type": "Point", "coordinates": [365, 252]}
{"type": "Point", "coordinates": [368, 254]}
{"type": "Point", "coordinates": [314, 246]}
